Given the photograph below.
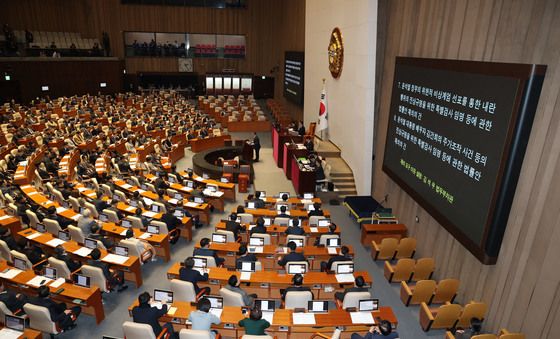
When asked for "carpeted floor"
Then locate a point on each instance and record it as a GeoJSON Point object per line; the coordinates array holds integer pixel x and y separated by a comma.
{"type": "Point", "coordinates": [271, 179]}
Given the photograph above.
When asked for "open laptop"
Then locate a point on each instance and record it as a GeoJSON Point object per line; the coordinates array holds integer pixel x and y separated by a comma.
{"type": "Point", "coordinates": [323, 222]}
{"type": "Point", "coordinates": [263, 195]}
{"type": "Point", "coordinates": [256, 241]}
{"type": "Point", "coordinates": [178, 196]}
{"type": "Point", "coordinates": [50, 272]}
{"type": "Point", "coordinates": [308, 196]}
{"type": "Point", "coordinates": [344, 268]}
{"type": "Point", "coordinates": [103, 217]}
{"type": "Point", "coordinates": [247, 266]}
{"type": "Point", "coordinates": [121, 250]}
{"type": "Point", "coordinates": [171, 179]}
{"type": "Point", "coordinates": [90, 243]}
{"type": "Point", "coordinates": [126, 223]}
{"type": "Point", "coordinates": [64, 235]}
{"type": "Point", "coordinates": [267, 308]}
{"type": "Point", "coordinates": [224, 180]}
{"type": "Point", "coordinates": [205, 176]}
{"type": "Point", "coordinates": [318, 306]}
{"type": "Point", "coordinates": [199, 200]}
{"type": "Point", "coordinates": [179, 214]}
{"type": "Point", "coordinates": [82, 280]}
{"type": "Point", "coordinates": [296, 268]}
{"type": "Point", "coordinates": [219, 238]}
{"type": "Point", "coordinates": [116, 197]}
{"type": "Point", "coordinates": [333, 242]}
{"type": "Point", "coordinates": [299, 242]}
{"type": "Point", "coordinates": [152, 229]}
{"type": "Point", "coordinates": [216, 305]}
{"type": "Point", "coordinates": [200, 264]}
{"type": "Point", "coordinates": [190, 184]}
{"type": "Point", "coordinates": [41, 228]}
{"type": "Point", "coordinates": [212, 188]}
{"type": "Point", "coordinates": [251, 205]}
{"type": "Point", "coordinates": [161, 296]}
{"type": "Point", "coordinates": [368, 305]}
{"type": "Point", "coordinates": [155, 208]}
{"type": "Point", "coordinates": [20, 264]}
{"type": "Point", "coordinates": [267, 221]}
{"type": "Point", "coordinates": [14, 323]}
{"type": "Point", "coordinates": [133, 203]}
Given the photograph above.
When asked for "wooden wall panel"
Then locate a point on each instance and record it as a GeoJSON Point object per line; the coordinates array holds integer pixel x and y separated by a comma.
{"type": "Point", "coordinates": [270, 26]}
{"type": "Point", "coordinates": [523, 288]}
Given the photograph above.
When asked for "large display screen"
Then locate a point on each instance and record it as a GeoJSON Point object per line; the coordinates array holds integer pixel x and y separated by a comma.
{"type": "Point", "coordinates": [456, 137]}
{"type": "Point", "coordinates": [293, 77]}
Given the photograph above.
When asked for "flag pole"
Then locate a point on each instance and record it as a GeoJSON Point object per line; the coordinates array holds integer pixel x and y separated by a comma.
{"type": "Point", "coordinates": [322, 131]}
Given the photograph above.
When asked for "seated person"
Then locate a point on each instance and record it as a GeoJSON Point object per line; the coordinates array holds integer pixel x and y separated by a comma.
{"type": "Point", "coordinates": [283, 213]}
{"type": "Point", "coordinates": [297, 282]}
{"type": "Point", "coordinates": [60, 254]}
{"type": "Point", "coordinates": [202, 319]}
{"type": "Point", "coordinates": [332, 231]}
{"type": "Point", "coordinates": [114, 277]}
{"type": "Point", "coordinates": [144, 313]}
{"type": "Point", "coordinates": [99, 203]}
{"type": "Point", "coordinates": [145, 221]}
{"type": "Point", "coordinates": [233, 285]}
{"type": "Point", "coordinates": [382, 331]}
{"type": "Point", "coordinates": [292, 256]}
{"type": "Point", "coordinates": [343, 256]}
{"type": "Point", "coordinates": [358, 287]}
{"type": "Point", "coordinates": [317, 211]}
{"type": "Point", "coordinates": [64, 318]}
{"type": "Point", "coordinates": [259, 228]}
{"type": "Point", "coordinates": [205, 250]}
{"type": "Point", "coordinates": [244, 256]}
{"type": "Point", "coordinates": [33, 252]}
{"type": "Point", "coordinates": [233, 226]}
{"type": "Point", "coordinates": [474, 329]}
{"type": "Point", "coordinates": [8, 238]}
{"type": "Point", "coordinates": [85, 221]}
{"type": "Point", "coordinates": [259, 203]}
{"type": "Point", "coordinates": [63, 222]}
{"type": "Point", "coordinates": [187, 273]}
{"type": "Point", "coordinates": [254, 325]}
{"type": "Point", "coordinates": [240, 209]}
{"type": "Point", "coordinates": [98, 234]}
{"type": "Point", "coordinates": [13, 301]}
{"type": "Point", "coordinates": [296, 228]}
{"type": "Point", "coordinates": [141, 246]}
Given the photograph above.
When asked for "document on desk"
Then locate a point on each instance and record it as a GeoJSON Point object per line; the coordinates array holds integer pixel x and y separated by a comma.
{"type": "Point", "coordinates": [34, 235]}
{"type": "Point", "coordinates": [61, 209]}
{"type": "Point", "coordinates": [216, 311]}
{"type": "Point", "coordinates": [8, 333]}
{"type": "Point", "coordinates": [191, 204]}
{"type": "Point", "coordinates": [245, 276]}
{"type": "Point", "coordinates": [303, 318]}
{"type": "Point", "coordinates": [83, 251]}
{"type": "Point", "coordinates": [344, 278]}
{"type": "Point", "coordinates": [123, 233]}
{"type": "Point", "coordinates": [4, 217]}
{"type": "Point", "coordinates": [172, 311]}
{"type": "Point", "coordinates": [81, 189]}
{"type": "Point", "coordinates": [33, 193]}
{"type": "Point", "coordinates": [145, 236]}
{"type": "Point", "coordinates": [173, 201]}
{"type": "Point", "coordinates": [76, 216]}
{"type": "Point", "coordinates": [362, 318]}
{"type": "Point", "coordinates": [115, 259]}
{"type": "Point", "coordinates": [130, 209]}
{"type": "Point", "coordinates": [126, 186]}
{"type": "Point", "coordinates": [10, 274]}
{"type": "Point", "coordinates": [38, 281]}
{"type": "Point", "coordinates": [314, 229]}
{"type": "Point", "coordinates": [332, 250]}
{"type": "Point", "coordinates": [149, 214]}
{"type": "Point", "coordinates": [268, 316]}
{"type": "Point", "coordinates": [199, 179]}
{"type": "Point", "coordinates": [57, 283]}
{"type": "Point", "coordinates": [55, 242]}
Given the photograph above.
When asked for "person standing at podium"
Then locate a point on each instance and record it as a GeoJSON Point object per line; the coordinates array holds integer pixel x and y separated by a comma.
{"type": "Point", "coordinates": [256, 145]}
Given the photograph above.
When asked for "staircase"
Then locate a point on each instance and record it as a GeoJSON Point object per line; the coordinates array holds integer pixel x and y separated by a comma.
{"type": "Point", "coordinates": [341, 175]}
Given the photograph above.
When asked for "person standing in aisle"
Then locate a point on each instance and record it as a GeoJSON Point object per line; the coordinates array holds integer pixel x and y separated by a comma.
{"type": "Point", "coordinates": [256, 146]}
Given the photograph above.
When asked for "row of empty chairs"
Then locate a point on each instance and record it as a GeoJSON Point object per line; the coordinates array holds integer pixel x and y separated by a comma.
{"type": "Point", "coordinates": [44, 39]}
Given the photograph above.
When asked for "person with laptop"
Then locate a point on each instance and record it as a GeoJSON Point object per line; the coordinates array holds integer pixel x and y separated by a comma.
{"type": "Point", "coordinates": [145, 221]}
{"type": "Point", "coordinates": [202, 319]}
{"type": "Point", "coordinates": [63, 222]}
{"type": "Point", "coordinates": [187, 273]}
{"type": "Point", "coordinates": [64, 318]}
{"type": "Point", "coordinates": [297, 282]}
{"type": "Point", "coordinates": [384, 330]}
{"type": "Point", "coordinates": [244, 256]}
{"type": "Point", "coordinates": [259, 203]}
{"type": "Point", "coordinates": [115, 278]}
{"type": "Point", "coordinates": [259, 227]}
{"type": "Point", "coordinates": [141, 246]}
{"type": "Point", "coordinates": [283, 213]}
{"type": "Point", "coordinates": [205, 250]}
{"type": "Point", "coordinates": [99, 203]}
{"type": "Point", "coordinates": [145, 313]}
{"type": "Point", "coordinates": [255, 324]}
{"type": "Point", "coordinates": [171, 221]}
{"type": "Point", "coordinates": [60, 254]}
{"type": "Point", "coordinates": [233, 285]}
{"type": "Point", "coordinates": [332, 231]}
{"type": "Point", "coordinates": [33, 252]}
{"type": "Point", "coordinates": [295, 228]}
{"type": "Point", "coordinates": [233, 226]}
{"type": "Point", "coordinates": [292, 256]}
{"type": "Point", "coordinates": [358, 287]}
{"type": "Point", "coordinates": [343, 256]}
{"type": "Point", "coordinates": [98, 234]}
{"type": "Point", "coordinates": [8, 238]}
{"type": "Point", "coordinates": [317, 211]}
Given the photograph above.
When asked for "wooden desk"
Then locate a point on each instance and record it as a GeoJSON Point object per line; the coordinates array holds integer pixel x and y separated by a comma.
{"type": "Point", "coordinates": [29, 333]}
{"type": "Point", "coordinates": [24, 174]}
{"type": "Point", "coordinates": [199, 145]}
{"type": "Point", "coordinates": [131, 267]}
{"type": "Point", "coordinates": [67, 165]}
{"type": "Point", "coordinates": [278, 141]}
{"type": "Point", "coordinates": [273, 213]}
{"type": "Point", "coordinates": [292, 201]}
{"type": "Point", "coordinates": [159, 241]}
{"type": "Point", "coordinates": [378, 232]}
{"type": "Point", "coordinates": [10, 221]}
{"type": "Point", "coordinates": [90, 298]}
{"type": "Point", "coordinates": [267, 284]}
{"type": "Point", "coordinates": [291, 151]}
{"type": "Point", "coordinates": [302, 179]}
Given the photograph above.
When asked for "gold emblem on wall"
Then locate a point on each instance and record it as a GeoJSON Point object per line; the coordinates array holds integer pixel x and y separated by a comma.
{"type": "Point", "coordinates": [336, 53]}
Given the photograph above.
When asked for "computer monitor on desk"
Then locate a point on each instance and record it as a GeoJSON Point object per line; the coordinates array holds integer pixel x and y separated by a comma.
{"type": "Point", "coordinates": [247, 266]}
{"type": "Point", "coordinates": [126, 223]}
{"type": "Point", "coordinates": [90, 243]}
{"type": "Point", "coordinates": [368, 305]}
{"type": "Point", "coordinates": [50, 272]}
{"type": "Point", "coordinates": [251, 205]}
{"type": "Point", "coordinates": [318, 306]}
{"type": "Point", "coordinates": [333, 242]}
{"type": "Point", "coordinates": [267, 221]}
{"type": "Point", "coordinates": [121, 250]}
{"type": "Point", "coordinates": [296, 268]}
{"type": "Point", "coordinates": [298, 242]}
{"type": "Point", "coordinates": [323, 222]}
{"type": "Point", "coordinates": [219, 238]}
{"type": "Point", "coordinates": [200, 262]}
{"type": "Point", "coordinates": [265, 305]}
{"type": "Point", "coordinates": [163, 296]}
{"type": "Point", "coordinates": [344, 268]}
{"type": "Point", "coordinates": [82, 280]}
{"type": "Point", "coordinates": [256, 241]}
{"type": "Point", "coordinates": [14, 323]}
{"type": "Point", "coordinates": [308, 196]}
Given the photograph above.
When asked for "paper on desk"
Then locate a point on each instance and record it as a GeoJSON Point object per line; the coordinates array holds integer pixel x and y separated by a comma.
{"type": "Point", "coordinates": [255, 249]}
{"type": "Point", "coordinates": [306, 201]}
{"type": "Point", "coordinates": [123, 233]}
{"type": "Point", "coordinates": [145, 236]}
{"type": "Point", "coordinates": [61, 209]}
{"type": "Point", "coordinates": [303, 318]}
{"type": "Point", "coordinates": [344, 278]}
{"type": "Point", "coordinates": [83, 251]}
{"type": "Point", "coordinates": [216, 311]}
{"type": "Point", "coordinates": [245, 276]}
{"type": "Point", "coordinates": [36, 281]}
{"type": "Point", "coordinates": [115, 259]}
{"type": "Point", "coordinates": [314, 229]}
{"type": "Point", "coordinates": [362, 318]}
{"type": "Point", "coordinates": [8, 333]}
{"type": "Point", "coordinates": [332, 250]}
{"type": "Point", "coordinates": [191, 204]}
{"type": "Point", "coordinates": [173, 201]}
{"type": "Point", "coordinates": [199, 179]}
{"type": "Point", "coordinates": [10, 274]}
{"type": "Point", "coordinates": [156, 304]}
{"type": "Point", "coordinates": [57, 283]}
{"type": "Point", "coordinates": [172, 310]}
{"type": "Point", "coordinates": [76, 217]}
{"type": "Point", "coordinates": [34, 235]}
{"type": "Point", "coordinates": [4, 217]}
{"type": "Point", "coordinates": [33, 193]}
{"type": "Point", "coordinates": [268, 316]}
{"type": "Point", "coordinates": [126, 186]}
{"type": "Point", "coordinates": [55, 242]}
{"type": "Point", "coordinates": [81, 189]}
{"type": "Point", "coordinates": [130, 209]}
{"type": "Point", "coordinates": [24, 187]}
{"type": "Point", "coordinates": [149, 214]}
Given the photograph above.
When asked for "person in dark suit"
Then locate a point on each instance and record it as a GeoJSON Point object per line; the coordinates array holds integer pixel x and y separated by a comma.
{"type": "Point", "coordinates": [8, 238]}
{"type": "Point", "coordinates": [259, 203]}
{"type": "Point", "coordinates": [159, 183]}
{"type": "Point", "coordinates": [474, 329]}
{"type": "Point", "coordinates": [172, 223]}
{"type": "Point", "coordinates": [97, 234]}
{"type": "Point", "coordinates": [65, 318]}
{"type": "Point", "coordinates": [233, 226]}
{"type": "Point", "coordinates": [256, 146]}
{"type": "Point", "coordinates": [63, 222]}
{"type": "Point", "coordinates": [144, 313]}
{"type": "Point", "coordinates": [205, 250]}
{"type": "Point", "coordinates": [244, 256]}
{"type": "Point", "coordinates": [297, 281]}
{"type": "Point", "coordinates": [186, 273]}
{"type": "Point", "coordinates": [292, 256]}
{"type": "Point", "coordinates": [295, 229]}
{"type": "Point", "coordinates": [114, 277]}
{"type": "Point", "coordinates": [343, 256]}
{"type": "Point", "coordinates": [332, 230]}
{"type": "Point", "coordinates": [61, 254]}
{"type": "Point", "coordinates": [301, 129]}
{"type": "Point", "coordinates": [259, 228]}
{"type": "Point", "coordinates": [33, 252]}
{"type": "Point", "coordinates": [358, 287]}
{"type": "Point", "coordinates": [384, 330]}
{"type": "Point", "coordinates": [138, 214]}
{"type": "Point", "coordinates": [99, 203]}
{"type": "Point", "coordinates": [283, 213]}
{"type": "Point", "coordinates": [316, 210]}
{"type": "Point", "coordinates": [14, 302]}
